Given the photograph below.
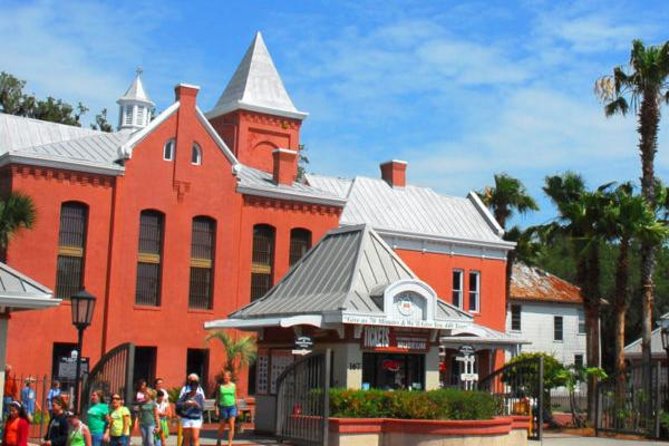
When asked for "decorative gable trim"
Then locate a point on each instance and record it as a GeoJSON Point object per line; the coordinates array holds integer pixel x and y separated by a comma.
{"type": "Point", "coordinates": [216, 137]}
{"type": "Point", "coordinates": [125, 151]}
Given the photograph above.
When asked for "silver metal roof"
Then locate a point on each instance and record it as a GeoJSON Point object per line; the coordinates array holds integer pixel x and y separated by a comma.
{"type": "Point", "coordinates": [343, 272]}
{"type": "Point", "coordinates": [633, 349]}
{"type": "Point", "coordinates": [411, 209]}
{"type": "Point", "coordinates": [476, 334]}
{"type": "Point", "coordinates": [136, 91]}
{"type": "Point", "coordinates": [256, 85]}
{"type": "Point", "coordinates": [19, 292]}
{"type": "Point", "coordinates": [257, 182]}
{"type": "Point", "coordinates": [17, 132]}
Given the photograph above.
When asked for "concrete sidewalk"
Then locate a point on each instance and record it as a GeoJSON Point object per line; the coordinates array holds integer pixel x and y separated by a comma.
{"type": "Point", "coordinates": [554, 439]}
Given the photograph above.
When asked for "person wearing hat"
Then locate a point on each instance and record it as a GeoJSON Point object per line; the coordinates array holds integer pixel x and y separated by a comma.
{"type": "Point", "coordinates": [189, 408]}
{"type": "Point", "coordinates": [56, 432]}
{"type": "Point", "coordinates": [15, 431]}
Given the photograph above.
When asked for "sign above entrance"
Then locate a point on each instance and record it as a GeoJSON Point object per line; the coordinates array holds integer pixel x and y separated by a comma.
{"type": "Point", "coordinates": [303, 345]}
{"type": "Point", "coordinates": [393, 339]}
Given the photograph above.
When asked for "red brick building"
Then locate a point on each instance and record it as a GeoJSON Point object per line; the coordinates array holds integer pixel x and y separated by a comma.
{"type": "Point", "coordinates": [183, 219]}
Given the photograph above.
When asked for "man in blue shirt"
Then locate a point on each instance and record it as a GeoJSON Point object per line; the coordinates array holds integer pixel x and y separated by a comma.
{"type": "Point", "coordinates": [28, 398]}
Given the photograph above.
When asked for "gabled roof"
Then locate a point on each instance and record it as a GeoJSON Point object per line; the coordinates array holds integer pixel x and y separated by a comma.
{"type": "Point", "coordinates": [529, 283]}
{"type": "Point", "coordinates": [412, 210]}
{"type": "Point", "coordinates": [136, 91]}
{"type": "Point", "coordinates": [633, 349]}
{"type": "Point", "coordinates": [19, 292]}
{"type": "Point", "coordinates": [256, 86]}
{"type": "Point", "coordinates": [346, 272]}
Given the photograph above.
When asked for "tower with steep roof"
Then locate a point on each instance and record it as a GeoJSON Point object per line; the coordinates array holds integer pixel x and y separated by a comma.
{"type": "Point", "coordinates": [255, 114]}
{"type": "Point", "coordinates": [135, 106]}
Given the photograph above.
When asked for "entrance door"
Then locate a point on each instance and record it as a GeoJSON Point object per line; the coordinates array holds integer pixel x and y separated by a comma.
{"type": "Point", "coordinates": [393, 371]}
{"type": "Point", "coordinates": [145, 363]}
{"type": "Point", "coordinates": [197, 361]}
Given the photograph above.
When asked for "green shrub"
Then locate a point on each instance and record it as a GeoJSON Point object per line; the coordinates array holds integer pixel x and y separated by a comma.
{"type": "Point", "coordinates": [442, 404]}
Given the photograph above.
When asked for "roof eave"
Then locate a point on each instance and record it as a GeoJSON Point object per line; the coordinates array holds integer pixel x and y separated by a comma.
{"type": "Point", "coordinates": [29, 302]}
{"type": "Point", "coordinates": [44, 161]}
{"type": "Point", "coordinates": [291, 196]}
{"type": "Point", "coordinates": [240, 105]}
{"type": "Point", "coordinates": [504, 245]}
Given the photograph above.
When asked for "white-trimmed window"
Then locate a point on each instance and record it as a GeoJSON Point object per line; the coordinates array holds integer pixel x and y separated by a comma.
{"type": "Point", "coordinates": [581, 322]}
{"type": "Point", "coordinates": [140, 115]}
{"type": "Point", "coordinates": [196, 156]}
{"type": "Point", "coordinates": [558, 328]}
{"type": "Point", "coordinates": [516, 311]}
{"type": "Point", "coordinates": [168, 150]}
{"type": "Point", "coordinates": [128, 114]}
{"type": "Point", "coordinates": [458, 275]}
{"type": "Point", "coordinates": [474, 291]}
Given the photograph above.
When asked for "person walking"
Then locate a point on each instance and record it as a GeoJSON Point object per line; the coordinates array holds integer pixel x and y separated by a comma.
{"type": "Point", "coordinates": [56, 431]}
{"type": "Point", "coordinates": [149, 423]}
{"type": "Point", "coordinates": [164, 415]}
{"type": "Point", "coordinates": [96, 417]}
{"type": "Point", "coordinates": [28, 398]}
{"type": "Point", "coordinates": [11, 390]}
{"type": "Point", "coordinates": [54, 391]}
{"type": "Point", "coordinates": [79, 434]}
{"type": "Point", "coordinates": [15, 431]}
{"type": "Point", "coordinates": [118, 423]}
{"type": "Point", "coordinates": [226, 408]}
{"type": "Point", "coordinates": [189, 408]}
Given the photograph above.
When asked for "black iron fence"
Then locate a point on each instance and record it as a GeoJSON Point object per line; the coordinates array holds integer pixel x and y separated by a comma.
{"type": "Point", "coordinates": [631, 403]}
{"type": "Point", "coordinates": [519, 390]}
{"type": "Point", "coordinates": [303, 404]}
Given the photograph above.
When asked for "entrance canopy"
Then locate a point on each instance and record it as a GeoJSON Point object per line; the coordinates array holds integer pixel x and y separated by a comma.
{"type": "Point", "coordinates": [350, 277]}
{"type": "Point", "coordinates": [482, 338]}
{"type": "Point", "coordinates": [19, 292]}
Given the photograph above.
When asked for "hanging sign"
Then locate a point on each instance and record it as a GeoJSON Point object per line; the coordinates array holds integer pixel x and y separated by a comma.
{"type": "Point", "coordinates": [303, 345]}
{"type": "Point", "coordinates": [391, 339]}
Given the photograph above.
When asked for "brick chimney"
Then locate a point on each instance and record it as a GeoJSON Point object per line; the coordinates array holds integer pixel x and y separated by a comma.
{"type": "Point", "coordinates": [285, 166]}
{"type": "Point", "coordinates": [394, 172]}
{"type": "Point", "coordinates": [186, 94]}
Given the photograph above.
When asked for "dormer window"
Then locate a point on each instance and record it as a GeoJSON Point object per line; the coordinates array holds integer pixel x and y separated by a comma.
{"type": "Point", "coordinates": [168, 150]}
{"type": "Point", "coordinates": [196, 157]}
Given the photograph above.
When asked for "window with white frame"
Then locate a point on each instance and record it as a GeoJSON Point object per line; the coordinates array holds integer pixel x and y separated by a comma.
{"type": "Point", "coordinates": [457, 288]}
{"type": "Point", "coordinates": [581, 322]}
{"type": "Point", "coordinates": [128, 114]}
{"type": "Point", "coordinates": [558, 331]}
{"type": "Point", "coordinates": [140, 115]}
{"type": "Point", "coordinates": [196, 156]}
{"type": "Point", "coordinates": [474, 291]}
{"type": "Point", "coordinates": [168, 150]}
{"type": "Point", "coordinates": [515, 317]}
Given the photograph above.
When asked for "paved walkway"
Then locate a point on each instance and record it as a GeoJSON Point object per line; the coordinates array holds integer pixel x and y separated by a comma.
{"type": "Point", "coordinates": [551, 439]}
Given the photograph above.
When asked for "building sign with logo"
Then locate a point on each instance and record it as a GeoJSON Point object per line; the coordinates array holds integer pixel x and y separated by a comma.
{"type": "Point", "coordinates": [393, 339]}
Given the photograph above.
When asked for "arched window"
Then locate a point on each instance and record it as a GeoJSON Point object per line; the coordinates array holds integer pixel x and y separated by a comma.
{"type": "Point", "coordinates": [262, 267]}
{"type": "Point", "coordinates": [202, 263]}
{"type": "Point", "coordinates": [71, 246]}
{"type": "Point", "coordinates": [196, 156]}
{"type": "Point", "coordinates": [168, 150]}
{"type": "Point", "coordinates": [300, 242]}
{"type": "Point", "coordinates": [149, 258]}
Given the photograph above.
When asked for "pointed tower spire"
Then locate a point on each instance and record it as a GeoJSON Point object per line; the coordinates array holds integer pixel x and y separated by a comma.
{"type": "Point", "coordinates": [134, 106]}
{"type": "Point", "coordinates": [257, 86]}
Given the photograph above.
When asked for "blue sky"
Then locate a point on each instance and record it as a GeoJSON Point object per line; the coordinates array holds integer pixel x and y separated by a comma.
{"type": "Point", "coordinates": [461, 90]}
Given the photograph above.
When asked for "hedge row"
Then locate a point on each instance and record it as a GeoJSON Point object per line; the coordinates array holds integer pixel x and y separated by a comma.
{"type": "Point", "coordinates": [442, 404]}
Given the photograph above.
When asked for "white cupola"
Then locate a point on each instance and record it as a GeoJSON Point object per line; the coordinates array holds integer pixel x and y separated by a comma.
{"type": "Point", "coordinates": [135, 107]}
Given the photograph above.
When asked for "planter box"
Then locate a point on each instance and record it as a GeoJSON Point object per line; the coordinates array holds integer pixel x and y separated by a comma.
{"type": "Point", "coordinates": [500, 431]}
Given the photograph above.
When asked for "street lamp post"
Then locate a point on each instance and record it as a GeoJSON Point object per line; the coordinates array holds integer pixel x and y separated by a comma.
{"type": "Point", "coordinates": [664, 332]}
{"type": "Point", "coordinates": [83, 304]}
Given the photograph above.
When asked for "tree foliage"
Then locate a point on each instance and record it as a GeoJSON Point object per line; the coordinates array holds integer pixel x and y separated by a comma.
{"type": "Point", "coordinates": [14, 101]}
{"type": "Point", "coordinates": [17, 211]}
{"type": "Point", "coordinates": [239, 351]}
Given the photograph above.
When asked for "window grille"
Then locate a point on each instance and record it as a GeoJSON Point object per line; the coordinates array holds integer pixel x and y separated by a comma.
{"type": "Point", "coordinates": [300, 242]}
{"type": "Point", "coordinates": [457, 288]}
{"type": "Point", "coordinates": [71, 244]}
{"type": "Point", "coordinates": [149, 258]}
{"type": "Point", "coordinates": [262, 260]}
{"type": "Point", "coordinates": [201, 264]}
{"type": "Point", "coordinates": [474, 291]}
{"type": "Point", "coordinates": [515, 317]}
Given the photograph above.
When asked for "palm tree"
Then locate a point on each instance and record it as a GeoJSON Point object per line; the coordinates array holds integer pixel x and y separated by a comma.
{"type": "Point", "coordinates": [644, 86]}
{"type": "Point", "coordinates": [581, 220]}
{"type": "Point", "coordinates": [239, 352]}
{"type": "Point", "coordinates": [507, 196]}
{"type": "Point", "coordinates": [629, 219]}
{"type": "Point", "coordinates": [17, 211]}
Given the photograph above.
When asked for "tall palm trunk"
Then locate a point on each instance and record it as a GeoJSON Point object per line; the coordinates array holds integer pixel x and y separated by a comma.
{"type": "Point", "coordinates": [649, 117]}
{"type": "Point", "coordinates": [588, 272]}
{"type": "Point", "coordinates": [620, 306]}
